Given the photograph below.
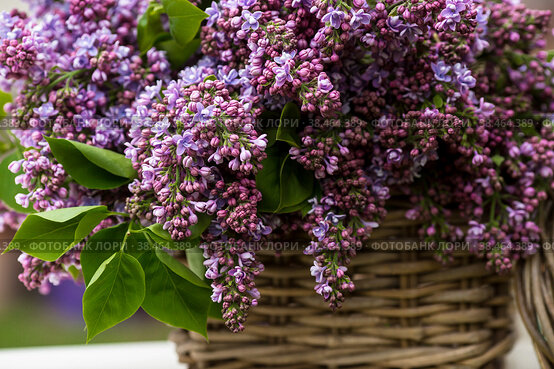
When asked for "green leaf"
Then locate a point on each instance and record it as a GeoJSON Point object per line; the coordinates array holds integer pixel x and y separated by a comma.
{"type": "Point", "coordinates": [438, 101]}
{"type": "Point", "coordinates": [289, 121]}
{"type": "Point", "coordinates": [297, 184]}
{"type": "Point", "coordinates": [216, 310]}
{"type": "Point", "coordinates": [5, 98]}
{"type": "Point", "coordinates": [292, 209]}
{"type": "Point", "coordinates": [114, 294]}
{"type": "Point", "coordinates": [90, 166]}
{"type": "Point", "coordinates": [150, 29]}
{"type": "Point", "coordinates": [159, 236]}
{"type": "Point", "coordinates": [176, 54]}
{"type": "Point", "coordinates": [51, 234]}
{"type": "Point", "coordinates": [8, 188]}
{"type": "Point", "coordinates": [75, 273]}
{"type": "Point", "coordinates": [162, 237]}
{"type": "Point", "coordinates": [171, 297]}
{"type": "Point", "coordinates": [498, 160]}
{"type": "Point", "coordinates": [195, 261]}
{"type": "Point", "coordinates": [100, 247]}
{"type": "Point", "coordinates": [284, 184]}
{"type": "Point", "coordinates": [203, 223]}
{"type": "Point", "coordinates": [178, 268]}
{"type": "Point", "coordinates": [529, 129]}
{"type": "Point", "coordinates": [184, 20]}
{"type": "Point", "coordinates": [107, 242]}
{"type": "Point", "coordinates": [267, 181]}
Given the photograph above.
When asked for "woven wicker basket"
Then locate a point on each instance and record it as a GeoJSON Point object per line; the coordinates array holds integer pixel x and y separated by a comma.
{"type": "Point", "coordinates": [534, 290]}
{"type": "Point", "coordinates": [408, 311]}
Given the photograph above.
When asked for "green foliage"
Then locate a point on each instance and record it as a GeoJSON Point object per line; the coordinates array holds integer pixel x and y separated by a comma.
{"type": "Point", "coordinates": [498, 160]}
{"type": "Point", "coordinates": [438, 101]}
{"type": "Point", "coordinates": [184, 20]}
{"type": "Point", "coordinates": [8, 188]}
{"type": "Point", "coordinates": [180, 42]}
{"type": "Point", "coordinates": [90, 166]}
{"type": "Point", "coordinates": [49, 235]}
{"type": "Point", "coordinates": [114, 293]}
{"type": "Point", "coordinates": [174, 294]}
{"type": "Point", "coordinates": [289, 121]}
{"type": "Point", "coordinates": [285, 185]}
{"type": "Point", "coordinates": [150, 29]}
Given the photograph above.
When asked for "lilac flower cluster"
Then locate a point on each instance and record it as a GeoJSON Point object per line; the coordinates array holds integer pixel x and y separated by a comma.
{"type": "Point", "coordinates": [75, 71]}
{"type": "Point", "coordinates": [233, 270]}
{"type": "Point", "coordinates": [446, 104]}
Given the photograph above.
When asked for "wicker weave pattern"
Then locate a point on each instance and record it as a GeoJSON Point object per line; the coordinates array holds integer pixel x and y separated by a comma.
{"type": "Point", "coordinates": [534, 286]}
{"type": "Point", "coordinates": [408, 311]}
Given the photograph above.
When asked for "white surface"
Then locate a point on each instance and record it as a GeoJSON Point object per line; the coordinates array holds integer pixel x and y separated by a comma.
{"type": "Point", "coordinates": [522, 355]}
{"type": "Point", "coordinates": [162, 355]}
{"type": "Point", "coordinates": [147, 355]}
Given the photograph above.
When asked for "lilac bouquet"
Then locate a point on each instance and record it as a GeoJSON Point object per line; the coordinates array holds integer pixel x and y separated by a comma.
{"type": "Point", "coordinates": [142, 131]}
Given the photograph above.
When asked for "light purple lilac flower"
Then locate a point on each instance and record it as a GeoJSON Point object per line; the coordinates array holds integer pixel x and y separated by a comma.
{"type": "Point", "coordinates": [250, 20]}
{"type": "Point", "coordinates": [45, 110]}
{"type": "Point", "coordinates": [213, 14]}
{"type": "Point", "coordinates": [282, 75]}
{"type": "Point", "coordinates": [334, 17]}
{"type": "Point", "coordinates": [441, 70]}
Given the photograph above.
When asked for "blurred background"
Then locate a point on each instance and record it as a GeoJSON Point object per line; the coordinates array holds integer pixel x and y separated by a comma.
{"type": "Point", "coordinates": [30, 319]}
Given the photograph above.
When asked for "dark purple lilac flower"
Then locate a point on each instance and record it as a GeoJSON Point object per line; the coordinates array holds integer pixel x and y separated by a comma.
{"type": "Point", "coordinates": [238, 273]}
{"type": "Point", "coordinates": [453, 9]}
{"type": "Point", "coordinates": [517, 214]}
{"type": "Point", "coordinates": [85, 45]}
{"type": "Point", "coordinates": [203, 113]}
{"type": "Point", "coordinates": [334, 218]}
{"type": "Point", "coordinates": [396, 24]}
{"type": "Point", "coordinates": [230, 78]}
{"type": "Point", "coordinates": [154, 91]}
{"type": "Point", "coordinates": [464, 78]}
{"type": "Point", "coordinates": [160, 127]}
{"type": "Point", "coordinates": [478, 159]}
{"type": "Point", "coordinates": [246, 3]}
{"type": "Point", "coordinates": [527, 149]}
{"type": "Point", "coordinates": [217, 295]}
{"type": "Point", "coordinates": [485, 108]}
{"type": "Point", "coordinates": [324, 290]}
